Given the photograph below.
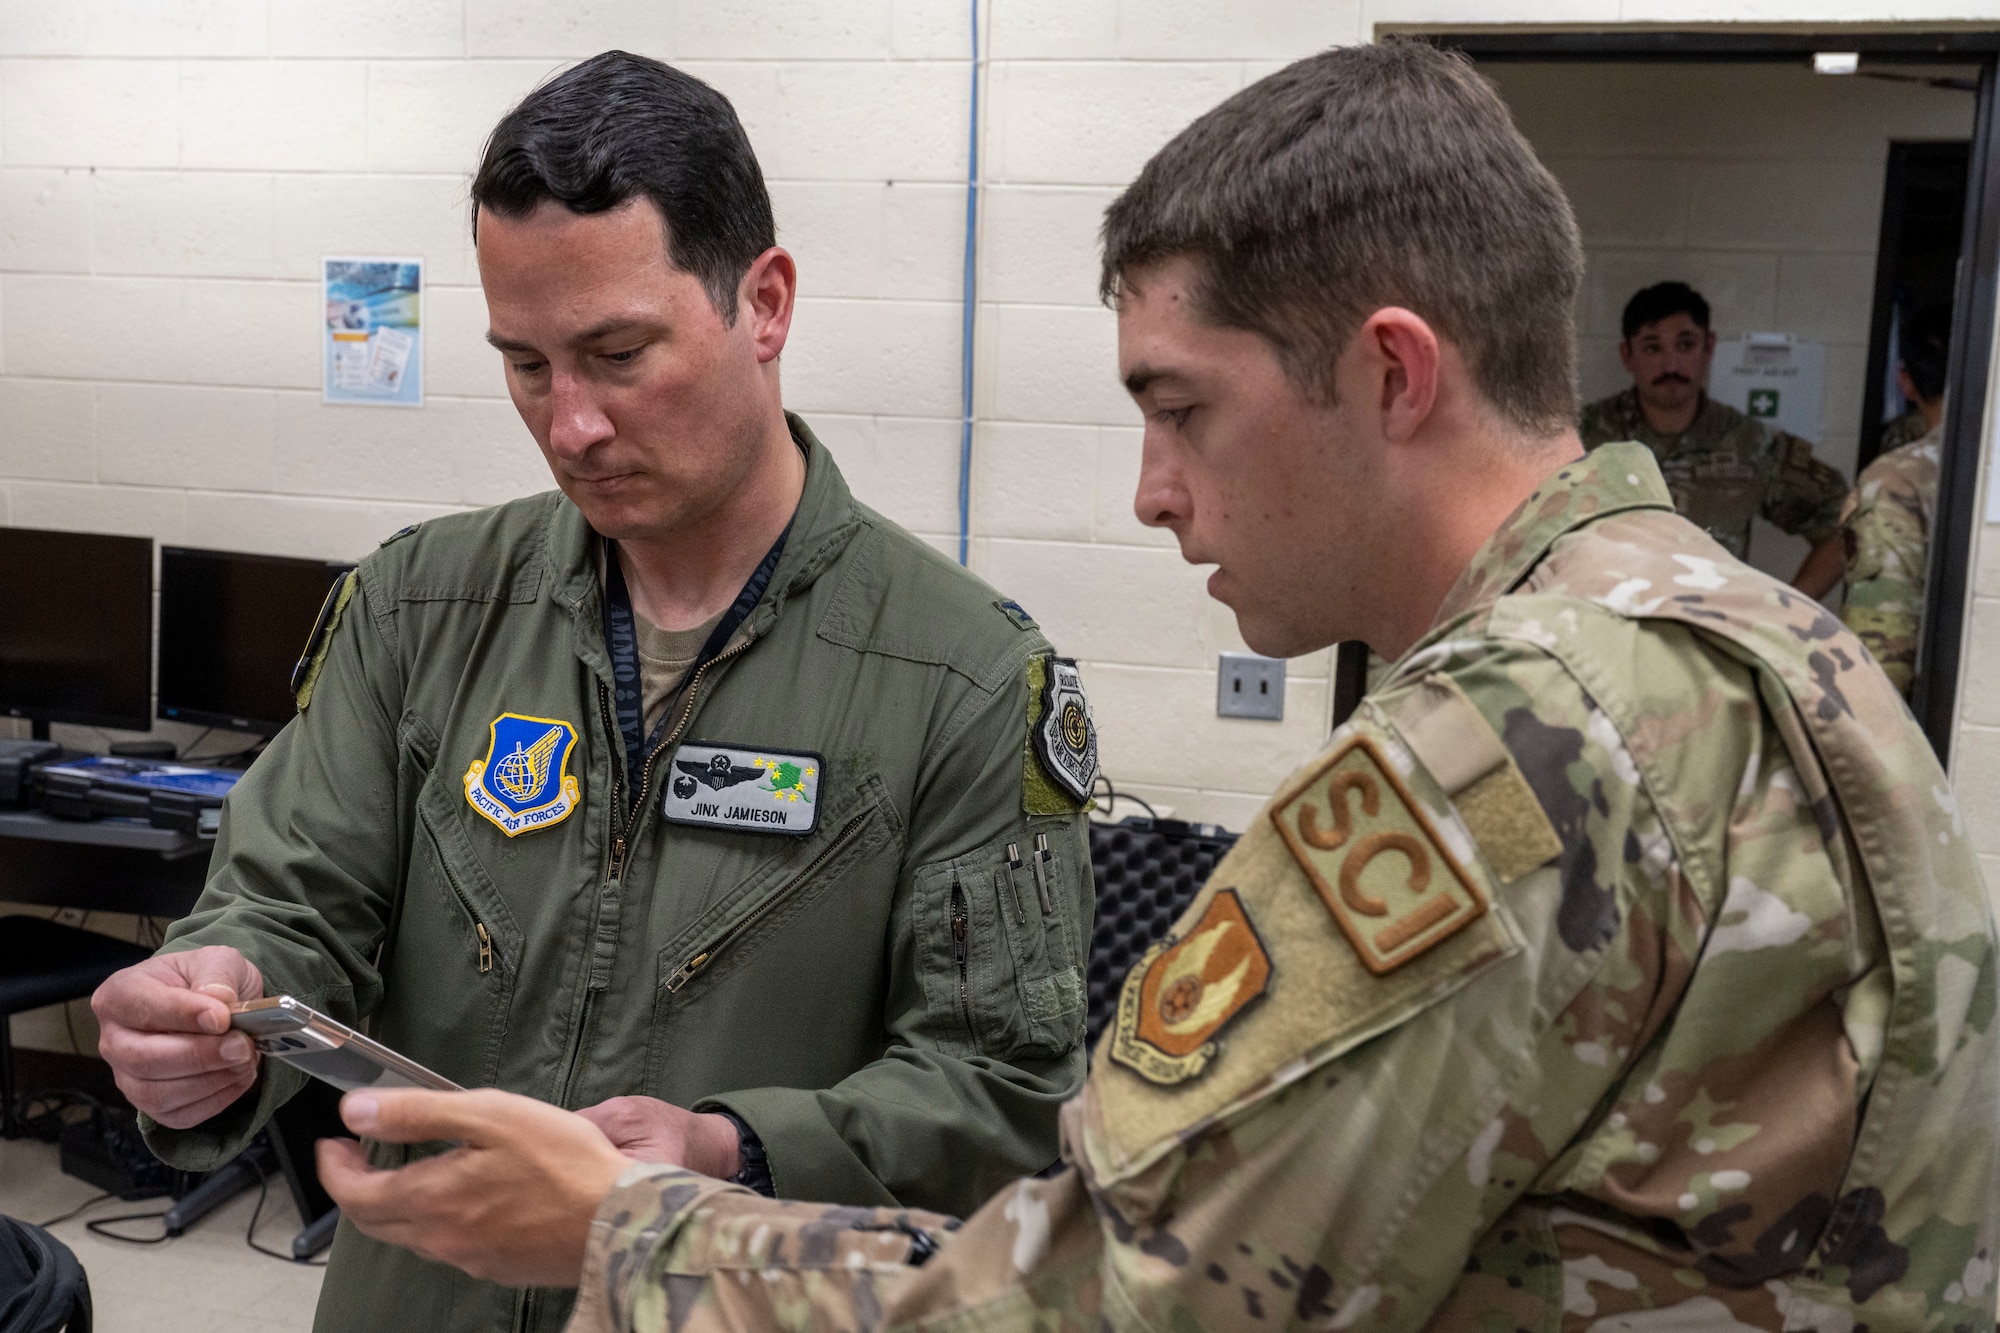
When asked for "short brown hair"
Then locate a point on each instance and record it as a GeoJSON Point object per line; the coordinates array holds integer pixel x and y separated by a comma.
{"type": "Point", "coordinates": [1359, 178]}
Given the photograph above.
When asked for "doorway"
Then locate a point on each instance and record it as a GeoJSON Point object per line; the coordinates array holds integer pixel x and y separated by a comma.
{"type": "Point", "coordinates": [1963, 60]}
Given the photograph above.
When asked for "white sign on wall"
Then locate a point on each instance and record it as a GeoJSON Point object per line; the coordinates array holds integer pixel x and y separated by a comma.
{"type": "Point", "coordinates": [1773, 377]}
{"type": "Point", "coordinates": [372, 347]}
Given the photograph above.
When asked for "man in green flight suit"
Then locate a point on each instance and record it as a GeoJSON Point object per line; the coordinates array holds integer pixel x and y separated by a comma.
{"type": "Point", "coordinates": [697, 795]}
{"type": "Point", "coordinates": [1622, 964]}
{"type": "Point", "coordinates": [1723, 467]}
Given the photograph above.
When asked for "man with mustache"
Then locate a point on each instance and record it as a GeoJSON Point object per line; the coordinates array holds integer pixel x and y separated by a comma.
{"type": "Point", "coordinates": [1723, 467]}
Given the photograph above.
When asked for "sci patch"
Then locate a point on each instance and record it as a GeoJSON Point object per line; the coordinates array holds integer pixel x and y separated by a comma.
{"type": "Point", "coordinates": [1385, 875]}
{"type": "Point", "coordinates": [1187, 989]}
{"type": "Point", "coordinates": [743, 788]}
{"type": "Point", "coordinates": [1065, 737]}
{"type": "Point", "coordinates": [524, 784]}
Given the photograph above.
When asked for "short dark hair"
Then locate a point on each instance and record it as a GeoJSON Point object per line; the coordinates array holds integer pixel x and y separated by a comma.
{"type": "Point", "coordinates": [1368, 176]}
{"type": "Point", "coordinates": [1662, 300]}
{"type": "Point", "coordinates": [1924, 347]}
{"type": "Point", "coordinates": [617, 127]}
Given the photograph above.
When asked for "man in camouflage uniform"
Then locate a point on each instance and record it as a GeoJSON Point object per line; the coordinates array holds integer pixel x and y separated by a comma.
{"type": "Point", "coordinates": [1887, 524]}
{"type": "Point", "coordinates": [1908, 428]}
{"type": "Point", "coordinates": [1723, 467]}
{"type": "Point", "coordinates": [1622, 965]}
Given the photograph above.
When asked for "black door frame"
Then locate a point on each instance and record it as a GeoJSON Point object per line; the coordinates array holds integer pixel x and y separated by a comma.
{"type": "Point", "coordinates": [1941, 650]}
{"type": "Point", "coordinates": [1895, 185]}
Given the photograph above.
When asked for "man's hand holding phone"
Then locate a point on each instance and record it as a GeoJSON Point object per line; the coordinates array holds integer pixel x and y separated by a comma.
{"type": "Point", "coordinates": [512, 1203]}
{"type": "Point", "coordinates": [166, 1034]}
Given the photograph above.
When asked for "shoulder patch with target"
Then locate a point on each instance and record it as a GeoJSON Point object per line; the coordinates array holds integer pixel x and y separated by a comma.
{"type": "Point", "coordinates": [1065, 735]}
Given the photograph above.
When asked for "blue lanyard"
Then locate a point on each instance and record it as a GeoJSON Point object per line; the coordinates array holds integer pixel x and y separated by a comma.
{"type": "Point", "coordinates": [621, 640]}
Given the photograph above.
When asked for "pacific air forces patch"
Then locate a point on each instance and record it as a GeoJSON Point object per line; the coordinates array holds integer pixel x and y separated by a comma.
{"type": "Point", "coordinates": [524, 784]}
{"type": "Point", "coordinates": [1186, 989]}
{"type": "Point", "coordinates": [1065, 736]}
{"type": "Point", "coordinates": [1375, 859]}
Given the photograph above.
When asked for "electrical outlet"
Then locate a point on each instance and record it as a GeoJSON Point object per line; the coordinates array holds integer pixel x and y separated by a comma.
{"type": "Point", "coordinates": [1248, 685]}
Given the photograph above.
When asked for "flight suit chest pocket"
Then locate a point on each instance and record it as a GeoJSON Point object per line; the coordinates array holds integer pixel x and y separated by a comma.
{"type": "Point", "coordinates": [999, 952]}
{"type": "Point", "coordinates": [457, 949]}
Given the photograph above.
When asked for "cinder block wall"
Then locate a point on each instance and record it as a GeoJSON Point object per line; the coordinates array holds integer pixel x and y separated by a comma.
{"type": "Point", "coordinates": [171, 171]}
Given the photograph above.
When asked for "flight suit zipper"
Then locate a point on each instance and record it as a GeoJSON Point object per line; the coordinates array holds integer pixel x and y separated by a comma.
{"type": "Point", "coordinates": [703, 956]}
{"type": "Point", "coordinates": [960, 952]}
{"type": "Point", "coordinates": [485, 947]}
{"type": "Point", "coordinates": [628, 828]}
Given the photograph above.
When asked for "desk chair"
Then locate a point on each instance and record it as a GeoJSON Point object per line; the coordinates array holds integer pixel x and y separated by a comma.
{"type": "Point", "coordinates": [44, 963]}
{"type": "Point", "coordinates": [1147, 872]}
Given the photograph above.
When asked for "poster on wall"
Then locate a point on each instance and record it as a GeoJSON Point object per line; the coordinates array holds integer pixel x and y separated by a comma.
{"type": "Point", "coordinates": [1773, 377]}
{"type": "Point", "coordinates": [374, 339]}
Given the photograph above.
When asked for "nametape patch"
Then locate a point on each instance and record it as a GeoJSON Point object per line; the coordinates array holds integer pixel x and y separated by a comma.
{"type": "Point", "coordinates": [1375, 860]}
{"type": "Point", "coordinates": [744, 788]}
{"type": "Point", "coordinates": [523, 784]}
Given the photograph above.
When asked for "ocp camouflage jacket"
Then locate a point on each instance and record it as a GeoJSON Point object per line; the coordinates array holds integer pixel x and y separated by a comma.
{"type": "Point", "coordinates": [1622, 965]}
{"type": "Point", "coordinates": [1727, 469]}
{"type": "Point", "coordinates": [860, 994]}
{"type": "Point", "coordinates": [1888, 525]}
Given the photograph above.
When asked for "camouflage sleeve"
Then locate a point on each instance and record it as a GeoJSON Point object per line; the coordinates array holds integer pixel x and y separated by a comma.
{"type": "Point", "coordinates": [1322, 1089]}
{"type": "Point", "coordinates": [665, 1242]}
{"type": "Point", "coordinates": [1802, 495]}
{"type": "Point", "coordinates": [1888, 550]}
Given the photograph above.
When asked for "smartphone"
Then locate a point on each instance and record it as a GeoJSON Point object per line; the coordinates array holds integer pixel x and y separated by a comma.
{"type": "Point", "coordinates": [290, 1030]}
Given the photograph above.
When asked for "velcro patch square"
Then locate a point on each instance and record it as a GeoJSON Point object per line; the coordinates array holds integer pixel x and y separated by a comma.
{"type": "Point", "coordinates": [1376, 860]}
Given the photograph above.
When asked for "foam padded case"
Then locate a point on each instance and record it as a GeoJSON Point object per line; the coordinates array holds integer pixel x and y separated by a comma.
{"type": "Point", "coordinates": [1147, 872]}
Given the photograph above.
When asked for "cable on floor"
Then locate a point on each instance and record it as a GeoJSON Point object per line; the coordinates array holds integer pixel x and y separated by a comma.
{"type": "Point", "coordinates": [80, 1208]}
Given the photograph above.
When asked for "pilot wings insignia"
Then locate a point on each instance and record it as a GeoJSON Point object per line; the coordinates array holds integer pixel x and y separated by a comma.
{"type": "Point", "coordinates": [523, 783]}
{"type": "Point", "coordinates": [719, 772]}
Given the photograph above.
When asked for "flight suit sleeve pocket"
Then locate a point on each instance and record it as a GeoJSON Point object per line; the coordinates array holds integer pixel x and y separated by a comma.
{"type": "Point", "coordinates": [1000, 974]}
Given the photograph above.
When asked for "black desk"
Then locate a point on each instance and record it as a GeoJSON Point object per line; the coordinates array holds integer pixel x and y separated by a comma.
{"type": "Point", "coordinates": [100, 865]}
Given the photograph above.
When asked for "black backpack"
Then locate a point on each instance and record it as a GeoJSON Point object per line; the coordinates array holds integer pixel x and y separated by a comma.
{"type": "Point", "coordinates": [42, 1287]}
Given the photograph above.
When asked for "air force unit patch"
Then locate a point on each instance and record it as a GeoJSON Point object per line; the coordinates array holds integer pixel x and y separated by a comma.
{"type": "Point", "coordinates": [1186, 989]}
{"type": "Point", "coordinates": [743, 788]}
{"type": "Point", "coordinates": [523, 784]}
{"type": "Point", "coordinates": [1065, 736]}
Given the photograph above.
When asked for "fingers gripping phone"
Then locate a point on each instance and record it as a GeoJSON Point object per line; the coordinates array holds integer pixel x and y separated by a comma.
{"type": "Point", "coordinates": [286, 1029]}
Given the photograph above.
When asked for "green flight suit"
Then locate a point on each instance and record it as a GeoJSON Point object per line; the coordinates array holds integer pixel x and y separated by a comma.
{"type": "Point", "coordinates": [893, 1022]}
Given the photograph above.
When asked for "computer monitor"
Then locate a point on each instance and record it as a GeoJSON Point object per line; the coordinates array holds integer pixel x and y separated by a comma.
{"type": "Point", "coordinates": [231, 627]}
{"type": "Point", "coordinates": [76, 628]}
